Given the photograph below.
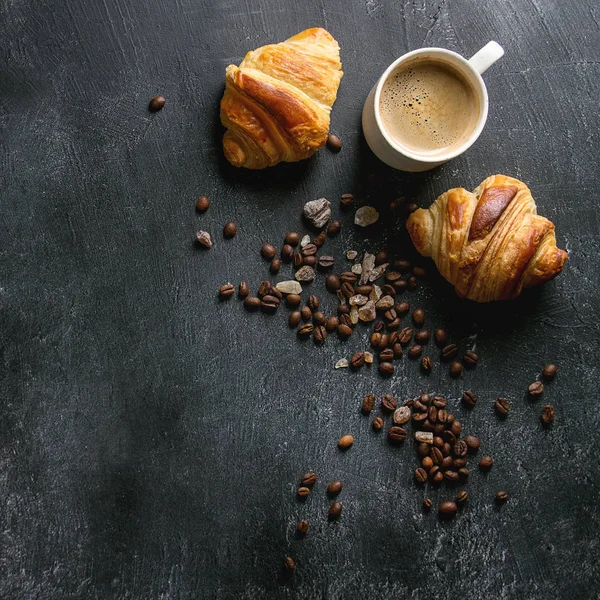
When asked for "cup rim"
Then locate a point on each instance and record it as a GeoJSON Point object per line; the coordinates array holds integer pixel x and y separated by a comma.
{"type": "Point", "coordinates": [483, 113]}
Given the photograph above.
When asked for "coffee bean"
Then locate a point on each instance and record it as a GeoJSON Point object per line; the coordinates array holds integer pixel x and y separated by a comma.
{"type": "Point", "coordinates": [251, 302]}
{"type": "Point", "coordinates": [334, 143]}
{"type": "Point", "coordinates": [320, 239]}
{"type": "Point", "coordinates": [469, 398]}
{"type": "Point", "coordinates": [547, 414]}
{"type": "Point", "coordinates": [439, 401]}
{"type": "Point", "coordinates": [275, 266]}
{"type": "Point", "coordinates": [419, 417]}
{"type": "Point", "coordinates": [302, 527]}
{"type": "Point", "coordinates": [325, 262]}
{"type": "Point", "coordinates": [436, 455]}
{"type": "Point", "coordinates": [303, 491]}
{"type": "Point", "coordinates": [364, 290]}
{"type": "Point", "coordinates": [386, 369]}
{"type": "Point", "coordinates": [226, 290]}
{"type": "Point", "coordinates": [449, 351]}
{"type": "Point", "coordinates": [309, 250]}
{"type": "Point", "coordinates": [461, 448]}
{"type": "Point", "coordinates": [427, 504]}
{"type": "Point", "coordinates": [421, 475]}
{"type": "Point", "coordinates": [426, 364]}
{"type": "Point", "coordinates": [230, 229]}
{"type": "Point", "coordinates": [375, 339]}
{"type": "Point", "coordinates": [432, 414]}
{"type": "Point", "coordinates": [335, 511]}
{"type": "Point", "coordinates": [368, 403]}
{"type": "Point", "coordinates": [418, 317]}
{"type": "Point", "coordinates": [346, 441]}
{"type": "Point", "coordinates": [402, 308]}
{"type": "Point", "coordinates": [275, 292]}
{"type": "Point", "coordinates": [398, 352]}
{"type": "Point", "coordinates": [427, 463]}
{"type": "Point", "coordinates": [422, 336]}
{"type": "Point", "coordinates": [313, 302]}
{"type": "Point", "coordinates": [309, 261]}
{"type": "Point", "coordinates": [390, 315]}
{"type": "Point", "coordinates": [470, 358]}
{"type": "Point", "coordinates": [287, 253]}
{"type": "Point", "coordinates": [384, 341]}
{"type": "Point", "coordinates": [333, 283]}
{"type": "Point", "coordinates": [449, 474]}
{"type": "Point", "coordinates": [501, 496]}
{"type": "Point", "coordinates": [463, 472]}
{"type": "Point", "coordinates": [412, 283]}
{"type": "Point", "coordinates": [295, 318]}
{"type": "Point", "coordinates": [405, 335]}
{"type": "Point", "coordinates": [392, 325]}
{"type": "Point", "coordinates": [243, 289]}
{"type": "Point", "coordinates": [550, 371]}
{"type": "Point", "coordinates": [502, 406]}
{"type": "Point", "coordinates": [486, 463]}
{"type": "Point", "coordinates": [334, 228]}
{"type": "Point", "coordinates": [448, 509]}
{"type": "Point", "coordinates": [456, 425]}
{"type": "Point", "coordinates": [344, 309]}
{"type": "Point", "coordinates": [268, 251]}
{"type": "Point", "coordinates": [332, 324]}
{"type": "Point", "coordinates": [419, 271]}
{"type": "Point", "coordinates": [396, 434]}
{"type": "Point", "coordinates": [202, 204]}
{"type": "Point", "coordinates": [473, 443]}
{"type": "Point", "coordinates": [357, 360]}
{"type": "Point", "coordinates": [289, 564]}
{"type": "Point", "coordinates": [441, 337]}
{"type": "Point", "coordinates": [377, 423]}
{"type": "Point", "coordinates": [389, 403]}
{"type": "Point", "coordinates": [459, 463]}
{"type": "Point", "coordinates": [347, 290]}
{"type": "Point", "coordinates": [381, 257]}
{"type": "Point", "coordinates": [536, 388]}
{"type": "Point", "coordinates": [392, 276]}
{"type": "Point", "coordinates": [293, 300]}
{"type": "Point", "coordinates": [386, 355]}
{"type": "Point", "coordinates": [292, 238]}
{"type": "Point", "coordinates": [334, 488]}
{"type": "Point", "coordinates": [348, 277]}
{"type": "Point", "coordinates": [388, 290]}
{"type": "Point", "coordinates": [269, 303]}
{"type": "Point", "coordinates": [436, 475]}
{"type": "Point", "coordinates": [298, 260]}
{"type": "Point", "coordinates": [462, 497]}
{"type": "Point", "coordinates": [308, 479]}
{"type": "Point", "coordinates": [347, 200]}
{"type": "Point", "coordinates": [456, 368]}
{"type": "Point", "coordinates": [319, 334]}
{"type": "Point", "coordinates": [343, 331]}
{"type": "Point", "coordinates": [306, 313]}
{"type": "Point", "coordinates": [415, 351]}
{"type": "Point", "coordinates": [420, 406]}
{"type": "Point", "coordinates": [157, 103]}
{"type": "Point", "coordinates": [305, 330]}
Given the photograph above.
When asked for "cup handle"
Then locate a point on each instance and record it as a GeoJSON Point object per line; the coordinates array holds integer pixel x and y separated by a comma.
{"type": "Point", "coordinates": [486, 57]}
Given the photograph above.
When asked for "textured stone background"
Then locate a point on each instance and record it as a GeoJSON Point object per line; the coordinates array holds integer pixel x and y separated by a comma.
{"type": "Point", "coordinates": [151, 437]}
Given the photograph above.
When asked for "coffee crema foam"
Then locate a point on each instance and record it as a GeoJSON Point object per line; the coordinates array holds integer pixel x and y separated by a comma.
{"type": "Point", "coordinates": [428, 107]}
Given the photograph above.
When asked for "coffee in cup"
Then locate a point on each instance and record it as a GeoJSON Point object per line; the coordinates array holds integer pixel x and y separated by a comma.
{"type": "Point", "coordinates": [428, 106]}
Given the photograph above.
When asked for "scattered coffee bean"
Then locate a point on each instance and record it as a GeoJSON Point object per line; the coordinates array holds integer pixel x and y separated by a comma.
{"type": "Point", "coordinates": [412, 283]}
{"type": "Point", "coordinates": [441, 337]}
{"type": "Point", "coordinates": [377, 423]}
{"type": "Point", "coordinates": [268, 251]}
{"type": "Point", "coordinates": [306, 313]}
{"type": "Point", "coordinates": [334, 143]}
{"type": "Point", "coordinates": [461, 449]}
{"type": "Point", "coordinates": [426, 364]}
{"type": "Point", "coordinates": [292, 238]}
{"type": "Point", "coordinates": [334, 228]}
{"type": "Point", "coordinates": [269, 303]}
{"type": "Point", "coordinates": [308, 479]}
{"type": "Point", "coordinates": [157, 103]}
{"type": "Point", "coordinates": [388, 290]}
{"type": "Point", "coordinates": [204, 239]}
{"type": "Point", "coordinates": [448, 509]}
{"type": "Point", "coordinates": [348, 277]}
{"type": "Point", "coordinates": [421, 475]}
{"type": "Point", "coordinates": [368, 403]}
{"type": "Point", "coordinates": [536, 388]}
{"type": "Point", "coordinates": [396, 434]}
{"type": "Point", "coordinates": [335, 511]}
{"type": "Point", "coordinates": [402, 308]}
{"type": "Point", "coordinates": [334, 488]}
{"type": "Point", "coordinates": [333, 283]}
{"type": "Point", "coordinates": [386, 355]}
{"type": "Point", "coordinates": [287, 253]}
{"type": "Point", "coordinates": [486, 463]}
{"type": "Point", "coordinates": [386, 368]}
{"type": "Point", "coordinates": [423, 449]}
{"type": "Point", "coordinates": [226, 290]}
{"type": "Point", "coordinates": [449, 474]}
{"type": "Point", "coordinates": [463, 472]}
{"type": "Point", "coordinates": [277, 293]}
{"type": "Point", "coordinates": [418, 317]}
{"type": "Point", "coordinates": [303, 491]}
{"type": "Point", "coordinates": [320, 239]}
{"type": "Point", "coordinates": [392, 276]}
{"type": "Point", "coordinates": [293, 300]}
{"type": "Point", "coordinates": [275, 266]}
{"type": "Point", "coordinates": [313, 302]}
{"type": "Point", "coordinates": [319, 318]}
{"type": "Point", "coordinates": [419, 271]}
{"type": "Point", "coordinates": [346, 441]}
{"type": "Point", "coordinates": [251, 302]}
{"type": "Point", "coordinates": [439, 402]}
{"type": "Point", "coordinates": [297, 260]}
{"type": "Point", "coordinates": [325, 262]}
{"type": "Point", "coordinates": [347, 200]}
{"type": "Point", "coordinates": [347, 290]}
{"type": "Point", "coordinates": [427, 504]}
{"type": "Point", "coordinates": [422, 336]}
{"type": "Point", "coordinates": [449, 351]}
{"type": "Point", "coordinates": [202, 204]}
{"type": "Point", "coordinates": [547, 414]}
{"type": "Point", "coordinates": [309, 250]}
{"type": "Point", "coordinates": [405, 335]}
{"type": "Point", "coordinates": [357, 360]}
{"type": "Point", "coordinates": [470, 358]}
{"type": "Point", "coordinates": [389, 403]}
{"type": "Point", "coordinates": [462, 497]}
{"type": "Point", "coordinates": [415, 351]}
{"type": "Point", "coordinates": [550, 371]}
{"type": "Point", "coordinates": [456, 368]}
{"type": "Point", "coordinates": [243, 289]}
{"type": "Point", "coordinates": [501, 496]}
{"type": "Point", "coordinates": [332, 324]}
{"type": "Point", "coordinates": [295, 318]}
{"type": "Point", "coordinates": [310, 261]}
{"type": "Point", "coordinates": [469, 398]}
{"type": "Point", "coordinates": [343, 309]}
{"type": "Point", "coordinates": [230, 229]}
{"type": "Point", "coordinates": [456, 427]}
{"type": "Point", "coordinates": [364, 290]}
{"type": "Point", "coordinates": [319, 334]}
{"type": "Point", "coordinates": [305, 330]}
{"type": "Point", "coordinates": [473, 443]}
{"type": "Point", "coordinates": [289, 564]}
{"type": "Point", "coordinates": [344, 331]}
{"type": "Point", "coordinates": [502, 406]}
{"type": "Point", "coordinates": [302, 527]}
{"type": "Point", "coordinates": [427, 463]}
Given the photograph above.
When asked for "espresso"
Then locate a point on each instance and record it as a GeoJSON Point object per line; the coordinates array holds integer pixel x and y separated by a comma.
{"type": "Point", "coordinates": [428, 107]}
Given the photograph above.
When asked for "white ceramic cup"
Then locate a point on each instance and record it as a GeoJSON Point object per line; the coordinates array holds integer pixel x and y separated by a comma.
{"type": "Point", "coordinates": [393, 153]}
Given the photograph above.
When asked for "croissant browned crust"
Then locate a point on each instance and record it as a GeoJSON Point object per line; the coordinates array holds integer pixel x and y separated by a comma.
{"type": "Point", "coordinates": [490, 243]}
{"type": "Point", "coordinates": [276, 104]}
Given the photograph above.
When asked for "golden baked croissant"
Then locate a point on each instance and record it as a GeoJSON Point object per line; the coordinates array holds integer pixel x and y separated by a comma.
{"type": "Point", "coordinates": [489, 244]}
{"type": "Point", "coordinates": [276, 104]}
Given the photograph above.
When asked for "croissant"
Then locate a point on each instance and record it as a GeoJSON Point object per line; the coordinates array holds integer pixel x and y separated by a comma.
{"type": "Point", "coordinates": [276, 104]}
{"type": "Point", "coordinates": [489, 244]}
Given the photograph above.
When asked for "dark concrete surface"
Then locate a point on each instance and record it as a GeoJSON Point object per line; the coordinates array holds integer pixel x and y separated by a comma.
{"type": "Point", "coordinates": [151, 437]}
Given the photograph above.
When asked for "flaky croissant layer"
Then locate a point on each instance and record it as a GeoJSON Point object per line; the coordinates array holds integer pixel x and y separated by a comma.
{"type": "Point", "coordinates": [489, 243]}
{"type": "Point", "coordinates": [276, 104]}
